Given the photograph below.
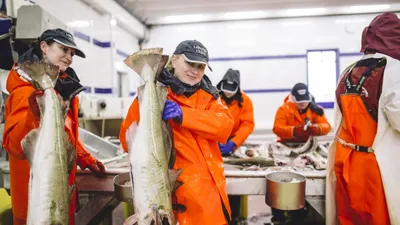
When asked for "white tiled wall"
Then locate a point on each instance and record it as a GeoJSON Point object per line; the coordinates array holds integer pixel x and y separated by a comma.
{"type": "Point", "coordinates": [288, 39]}
{"type": "Point", "coordinates": [280, 44]}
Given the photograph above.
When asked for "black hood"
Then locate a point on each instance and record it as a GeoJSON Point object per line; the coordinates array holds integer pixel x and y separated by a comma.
{"type": "Point", "coordinates": [67, 86]}
{"type": "Point", "coordinates": [230, 75]}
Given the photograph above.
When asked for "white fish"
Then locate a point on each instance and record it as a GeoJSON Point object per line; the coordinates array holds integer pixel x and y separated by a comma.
{"type": "Point", "coordinates": [49, 155]}
{"type": "Point", "coordinates": [150, 145]}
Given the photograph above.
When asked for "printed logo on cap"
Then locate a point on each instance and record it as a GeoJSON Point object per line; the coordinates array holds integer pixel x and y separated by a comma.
{"type": "Point", "coordinates": [68, 36]}
{"type": "Point", "coordinates": [302, 91]}
{"type": "Point", "coordinates": [200, 50]}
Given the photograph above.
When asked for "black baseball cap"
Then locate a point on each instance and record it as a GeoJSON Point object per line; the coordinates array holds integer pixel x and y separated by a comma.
{"type": "Point", "coordinates": [300, 93]}
{"type": "Point", "coordinates": [62, 37]}
{"type": "Point", "coordinates": [193, 51]}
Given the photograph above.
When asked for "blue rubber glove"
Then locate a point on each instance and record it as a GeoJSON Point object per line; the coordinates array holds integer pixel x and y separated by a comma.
{"type": "Point", "coordinates": [227, 148]}
{"type": "Point", "coordinates": [172, 111]}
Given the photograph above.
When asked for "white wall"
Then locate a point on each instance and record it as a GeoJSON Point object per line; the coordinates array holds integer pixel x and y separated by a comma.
{"type": "Point", "coordinates": [280, 43]}
{"type": "Point", "coordinates": [104, 43]}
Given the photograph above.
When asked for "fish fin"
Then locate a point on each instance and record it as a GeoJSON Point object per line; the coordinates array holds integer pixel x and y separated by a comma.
{"type": "Point", "coordinates": [179, 208]}
{"type": "Point", "coordinates": [173, 176]}
{"type": "Point", "coordinates": [177, 184]}
{"type": "Point", "coordinates": [161, 65]}
{"type": "Point", "coordinates": [28, 144]}
{"type": "Point", "coordinates": [156, 215]}
{"type": "Point", "coordinates": [132, 220]}
{"type": "Point", "coordinates": [42, 75]}
{"type": "Point", "coordinates": [140, 93]}
{"type": "Point", "coordinates": [145, 62]}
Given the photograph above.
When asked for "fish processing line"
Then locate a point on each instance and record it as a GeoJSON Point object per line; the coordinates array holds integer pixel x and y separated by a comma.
{"type": "Point", "coordinates": [102, 201]}
{"type": "Point", "coordinates": [239, 182]}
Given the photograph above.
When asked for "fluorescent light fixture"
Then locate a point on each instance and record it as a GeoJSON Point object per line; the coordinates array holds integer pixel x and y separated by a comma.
{"type": "Point", "coordinates": [347, 21]}
{"type": "Point", "coordinates": [364, 8]}
{"type": "Point", "coordinates": [244, 15]}
{"type": "Point", "coordinates": [183, 18]}
{"type": "Point", "coordinates": [79, 23]}
{"type": "Point", "coordinates": [305, 11]}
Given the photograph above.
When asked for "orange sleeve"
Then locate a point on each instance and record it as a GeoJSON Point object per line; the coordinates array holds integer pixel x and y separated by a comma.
{"type": "Point", "coordinates": [281, 129]}
{"type": "Point", "coordinates": [83, 156]}
{"type": "Point", "coordinates": [19, 120]}
{"type": "Point", "coordinates": [322, 123]}
{"type": "Point", "coordinates": [246, 123]}
{"type": "Point", "coordinates": [214, 123]}
{"type": "Point", "coordinates": [132, 116]}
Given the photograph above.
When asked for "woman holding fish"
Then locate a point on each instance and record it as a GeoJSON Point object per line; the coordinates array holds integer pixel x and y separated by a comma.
{"type": "Point", "coordinates": [241, 108]}
{"type": "Point", "coordinates": [299, 117]}
{"type": "Point", "coordinates": [22, 115]}
{"type": "Point", "coordinates": [363, 161]}
{"type": "Point", "coordinates": [199, 121]}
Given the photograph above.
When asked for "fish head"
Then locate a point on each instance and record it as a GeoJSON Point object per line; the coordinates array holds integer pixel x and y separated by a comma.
{"type": "Point", "coordinates": [146, 59]}
{"type": "Point", "coordinates": [42, 75]}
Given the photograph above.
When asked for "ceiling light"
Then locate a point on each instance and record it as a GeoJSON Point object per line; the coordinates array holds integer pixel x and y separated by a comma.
{"type": "Point", "coordinates": [364, 8]}
{"type": "Point", "coordinates": [305, 12]}
{"type": "Point", "coordinates": [244, 15]}
{"type": "Point", "coordinates": [183, 18]}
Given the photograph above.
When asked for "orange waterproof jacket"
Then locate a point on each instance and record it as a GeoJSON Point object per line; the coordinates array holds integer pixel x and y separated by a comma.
{"type": "Point", "coordinates": [288, 116]}
{"type": "Point", "coordinates": [243, 118]}
{"type": "Point", "coordinates": [19, 121]}
{"type": "Point", "coordinates": [206, 122]}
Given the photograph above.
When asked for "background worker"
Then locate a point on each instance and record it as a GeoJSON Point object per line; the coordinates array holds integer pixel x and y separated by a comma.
{"type": "Point", "coordinates": [299, 117]}
{"type": "Point", "coordinates": [22, 115]}
{"type": "Point", "coordinates": [241, 108]}
{"type": "Point", "coordinates": [199, 121]}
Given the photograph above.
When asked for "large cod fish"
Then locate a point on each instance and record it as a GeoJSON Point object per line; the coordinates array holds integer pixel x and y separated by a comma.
{"type": "Point", "coordinates": [150, 145]}
{"type": "Point", "coordinates": [47, 150]}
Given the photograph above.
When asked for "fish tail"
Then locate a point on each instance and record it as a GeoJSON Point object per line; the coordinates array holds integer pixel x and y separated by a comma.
{"type": "Point", "coordinates": [147, 63]}
{"type": "Point", "coordinates": [41, 75]}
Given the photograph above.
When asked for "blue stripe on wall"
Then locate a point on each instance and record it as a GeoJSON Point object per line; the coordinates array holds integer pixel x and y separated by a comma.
{"type": "Point", "coordinates": [102, 44]}
{"type": "Point", "coordinates": [82, 36]}
{"type": "Point", "coordinates": [103, 90]}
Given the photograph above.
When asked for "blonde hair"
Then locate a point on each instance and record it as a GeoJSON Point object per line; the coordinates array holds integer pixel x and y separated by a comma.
{"type": "Point", "coordinates": [168, 65]}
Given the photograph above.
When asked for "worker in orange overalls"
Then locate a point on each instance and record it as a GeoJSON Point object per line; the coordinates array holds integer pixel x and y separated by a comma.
{"type": "Point", "coordinates": [199, 121]}
{"type": "Point", "coordinates": [295, 121]}
{"type": "Point", "coordinates": [241, 108]}
{"type": "Point", "coordinates": [362, 181]}
{"type": "Point", "coordinates": [22, 115]}
{"type": "Point", "coordinates": [300, 117]}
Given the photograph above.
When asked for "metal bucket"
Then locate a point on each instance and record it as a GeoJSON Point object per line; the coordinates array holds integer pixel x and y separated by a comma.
{"type": "Point", "coordinates": [285, 190]}
{"type": "Point", "coordinates": [123, 188]}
